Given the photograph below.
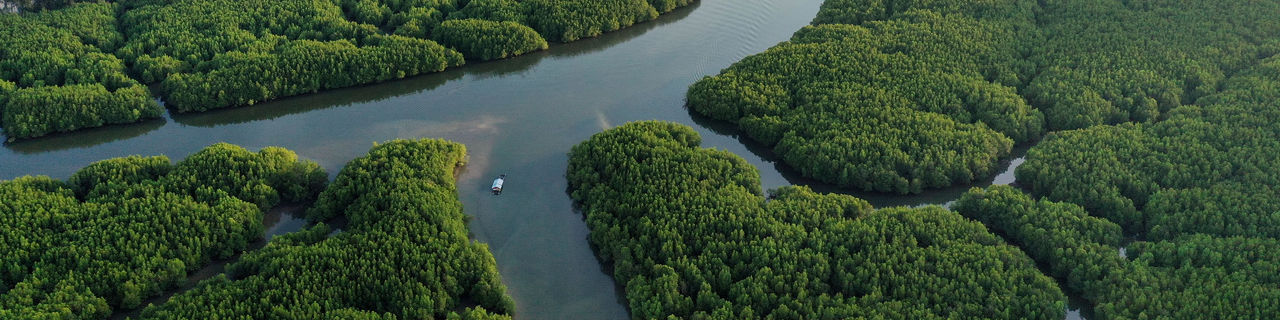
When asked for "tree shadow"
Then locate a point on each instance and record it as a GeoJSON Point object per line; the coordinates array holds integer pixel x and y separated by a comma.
{"type": "Point", "coordinates": [85, 137]}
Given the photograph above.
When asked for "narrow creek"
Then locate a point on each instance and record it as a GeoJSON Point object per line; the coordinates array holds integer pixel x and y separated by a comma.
{"type": "Point", "coordinates": [518, 117]}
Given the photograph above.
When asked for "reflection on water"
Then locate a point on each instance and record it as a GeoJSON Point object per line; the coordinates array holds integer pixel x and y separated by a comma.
{"type": "Point", "coordinates": [1078, 308]}
{"type": "Point", "coordinates": [325, 99]}
{"type": "Point", "coordinates": [84, 138]}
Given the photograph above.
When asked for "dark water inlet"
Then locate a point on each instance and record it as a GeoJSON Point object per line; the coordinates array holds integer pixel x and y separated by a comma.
{"type": "Point", "coordinates": [517, 117]}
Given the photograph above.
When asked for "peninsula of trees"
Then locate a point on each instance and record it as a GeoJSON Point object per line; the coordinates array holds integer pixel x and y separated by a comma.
{"type": "Point", "coordinates": [688, 233]}
{"type": "Point", "coordinates": [404, 252]}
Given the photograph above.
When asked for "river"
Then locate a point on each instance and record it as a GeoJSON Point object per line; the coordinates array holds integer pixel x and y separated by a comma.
{"type": "Point", "coordinates": [518, 117]}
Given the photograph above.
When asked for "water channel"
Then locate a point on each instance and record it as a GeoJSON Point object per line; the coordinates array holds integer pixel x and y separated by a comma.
{"type": "Point", "coordinates": [517, 117]}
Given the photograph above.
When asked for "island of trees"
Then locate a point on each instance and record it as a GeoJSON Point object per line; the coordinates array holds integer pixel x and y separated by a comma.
{"type": "Point", "coordinates": [688, 233]}
{"type": "Point", "coordinates": [122, 230]}
{"type": "Point", "coordinates": [404, 252]}
{"type": "Point", "coordinates": [85, 65]}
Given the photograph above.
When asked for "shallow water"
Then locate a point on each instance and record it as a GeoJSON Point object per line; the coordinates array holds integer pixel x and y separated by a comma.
{"type": "Point", "coordinates": [517, 117]}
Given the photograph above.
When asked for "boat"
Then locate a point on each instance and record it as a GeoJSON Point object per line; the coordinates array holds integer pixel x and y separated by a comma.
{"type": "Point", "coordinates": [497, 184]}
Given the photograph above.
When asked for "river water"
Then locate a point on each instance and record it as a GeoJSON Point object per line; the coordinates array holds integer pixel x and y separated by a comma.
{"type": "Point", "coordinates": [518, 117]}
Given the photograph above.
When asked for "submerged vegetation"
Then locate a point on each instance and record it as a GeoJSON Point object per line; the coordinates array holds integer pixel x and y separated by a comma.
{"type": "Point", "coordinates": [689, 235]}
{"type": "Point", "coordinates": [85, 65]}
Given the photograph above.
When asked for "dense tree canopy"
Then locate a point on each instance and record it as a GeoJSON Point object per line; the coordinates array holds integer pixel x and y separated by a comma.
{"type": "Point", "coordinates": [1195, 276]}
{"type": "Point", "coordinates": [488, 40]}
{"type": "Point", "coordinates": [689, 235]}
{"type": "Point", "coordinates": [980, 66]}
{"type": "Point", "coordinates": [246, 78]}
{"type": "Point", "coordinates": [569, 20]}
{"type": "Point", "coordinates": [1112, 61]}
{"type": "Point", "coordinates": [219, 53]}
{"type": "Point", "coordinates": [403, 254]}
{"type": "Point", "coordinates": [1209, 168]}
{"type": "Point", "coordinates": [121, 230]}
{"type": "Point", "coordinates": [1194, 183]}
{"type": "Point", "coordinates": [56, 74]}
{"type": "Point", "coordinates": [887, 99]}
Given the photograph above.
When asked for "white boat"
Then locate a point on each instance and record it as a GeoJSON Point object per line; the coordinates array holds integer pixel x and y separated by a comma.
{"type": "Point", "coordinates": [497, 184]}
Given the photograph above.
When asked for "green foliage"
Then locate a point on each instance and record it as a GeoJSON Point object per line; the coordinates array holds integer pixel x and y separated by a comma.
{"type": "Point", "coordinates": [900, 100]}
{"type": "Point", "coordinates": [94, 23]}
{"type": "Point", "coordinates": [1112, 61]}
{"type": "Point", "coordinates": [126, 171]}
{"type": "Point", "coordinates": [1081, 63]}
{"type": "Point", "coordinates": [1208, 168]}
{"type": "Point", "coordinates": [263, 178]}
{"type": "Point", "coordinates": [1197, 186]}
{"type": "Point", "coordinates": [214, 54]}
{"type": "Point", "coordinates": [54, 76]}
{"type": "Point", "coordinates": [121, 230]}
{"type": "Point", "coordinates": [664, 6]}
{"type": "Point", "coordinates": [6, 88]}
{"type": "Point", "coordinates": [1075, 246]}
{"type": "Point", "coordinates": [570, 20]}
{"type": "Point", "coordinates": [294, 68]}
{"type": "Point", "coordinates": [689, 235]}
{"type": "Point", "coordinates": [43, 110]}
{"type": "Point", "coordinates": [362, 174]}
{"type": "Point", "coordinates": [35, 5]}
{"type": "Point", "coordinates": [404, 253]}
{"type": "Point", "coordinates": [492, 10]}
{"type": "Point", "coordinates": [152, 70]}
{"type": "Point", "coordinates": [488, 40]}
{"type": "Point", "coordinates": [418, 22]}
{"type": "Point", "coordinates": [195, 31]}
{"type": "Point", "coordinates": [1190, 277]}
